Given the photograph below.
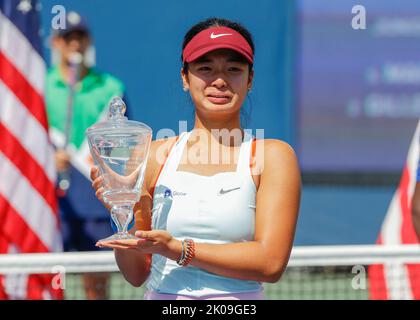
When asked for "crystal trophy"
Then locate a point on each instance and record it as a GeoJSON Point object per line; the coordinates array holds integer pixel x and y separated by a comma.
{"type": "Point", "coordinates": [120, 148]}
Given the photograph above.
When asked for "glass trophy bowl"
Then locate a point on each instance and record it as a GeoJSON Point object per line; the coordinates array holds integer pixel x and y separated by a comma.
{"type": "Point", "coordinates": [120, 148]}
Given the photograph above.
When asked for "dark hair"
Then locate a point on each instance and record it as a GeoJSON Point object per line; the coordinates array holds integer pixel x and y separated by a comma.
{"type": "Point", "coordinates": [217, 22]}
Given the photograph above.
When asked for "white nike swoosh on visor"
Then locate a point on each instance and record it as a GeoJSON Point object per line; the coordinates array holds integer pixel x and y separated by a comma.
{"type": "Point", "coordinates": [214, 36]}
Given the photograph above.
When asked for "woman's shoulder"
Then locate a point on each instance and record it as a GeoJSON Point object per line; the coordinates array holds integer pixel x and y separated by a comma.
{"type": "Point", "coordinates": [276, 146]}
{"type": "Point", "coordinates": [273, 152]}
{"type": "Point", "coordinates": [163, 142]}
{"type": "Point", "coordinates": [159, 150]}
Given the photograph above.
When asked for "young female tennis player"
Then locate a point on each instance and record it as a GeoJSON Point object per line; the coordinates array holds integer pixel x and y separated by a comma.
{"type": "Point", "coordinates": [217, 214]}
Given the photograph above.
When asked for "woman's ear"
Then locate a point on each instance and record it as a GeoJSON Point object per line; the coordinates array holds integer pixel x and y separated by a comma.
{"type": "Point", "coordinates": [185, 83]}
{"type": "Point", "coordinates": [250, 79]}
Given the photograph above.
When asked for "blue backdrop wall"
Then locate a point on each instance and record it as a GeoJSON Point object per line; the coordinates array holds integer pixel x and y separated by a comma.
{"type": "Point", "coordinates": [140, 43]}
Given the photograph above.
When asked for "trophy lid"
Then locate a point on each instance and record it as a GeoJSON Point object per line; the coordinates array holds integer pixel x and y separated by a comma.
{"type": "Point", "coordinates": [117, 122]}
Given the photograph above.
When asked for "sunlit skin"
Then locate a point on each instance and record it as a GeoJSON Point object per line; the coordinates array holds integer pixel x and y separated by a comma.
{"type": "Point", "coordinates": [218, 84]}
{"type": "Point", "coordinates": [416, 210]}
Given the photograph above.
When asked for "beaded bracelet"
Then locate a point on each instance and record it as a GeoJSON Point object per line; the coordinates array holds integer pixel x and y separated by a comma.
{"type": "Point", "coordinates": [187, 253]}
{"type": "Point", "coordinates": [182, 253]}
{"type": "Point", "coordinates": [182, 258]}
{"type": "Point", "coordinates": [190, 252]}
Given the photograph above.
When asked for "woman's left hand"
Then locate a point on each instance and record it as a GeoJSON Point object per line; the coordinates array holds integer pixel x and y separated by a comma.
{"type": "Point", "coordinates": [148, 242]}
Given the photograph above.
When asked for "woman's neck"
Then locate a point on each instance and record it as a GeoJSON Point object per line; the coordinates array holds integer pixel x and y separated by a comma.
{"type": "Point", "coordinates": [227, 132]}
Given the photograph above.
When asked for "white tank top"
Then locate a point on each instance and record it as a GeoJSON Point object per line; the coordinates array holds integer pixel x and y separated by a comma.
{"type": "Point", "coordinates": [208, 209]}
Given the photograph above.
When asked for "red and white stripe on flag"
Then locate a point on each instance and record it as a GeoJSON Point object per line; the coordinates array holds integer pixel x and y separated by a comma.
{"type": "Point", "coordinates": [29, 219]}
{"type": "Point", "coordinates": [396, 280]}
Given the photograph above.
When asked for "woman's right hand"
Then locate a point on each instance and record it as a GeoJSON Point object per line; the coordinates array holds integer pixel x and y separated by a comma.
{"type": "Point", "coordinates": [97, 184]}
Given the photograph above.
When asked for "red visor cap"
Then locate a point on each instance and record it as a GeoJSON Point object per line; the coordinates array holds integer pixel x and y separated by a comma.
{"type": "Point", "coordinates": [217, 38]}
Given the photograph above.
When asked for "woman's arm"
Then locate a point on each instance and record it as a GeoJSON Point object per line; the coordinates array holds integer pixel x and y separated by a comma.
{"type": "Point", "coordinates": [416, 209]}
{"type": "Point", "coordinates": [263, 259]}
{"type": "Point", "coordinates": [278, 198]}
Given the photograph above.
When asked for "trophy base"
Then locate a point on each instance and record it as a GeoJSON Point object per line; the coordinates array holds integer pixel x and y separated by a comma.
{"type": "Point", "coordinates": [118, 236]}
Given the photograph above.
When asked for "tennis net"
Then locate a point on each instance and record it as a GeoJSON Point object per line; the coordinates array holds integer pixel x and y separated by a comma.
{"type": "Point", "coordinates": [314, 272]}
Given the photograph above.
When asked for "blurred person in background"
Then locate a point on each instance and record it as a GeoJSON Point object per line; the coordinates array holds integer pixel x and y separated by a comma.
{"type": "Point", "coordinates": [77, 96]}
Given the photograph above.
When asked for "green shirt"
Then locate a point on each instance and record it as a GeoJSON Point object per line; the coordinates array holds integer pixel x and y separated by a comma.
{"type": "Point", "coordinates": [91, 97]}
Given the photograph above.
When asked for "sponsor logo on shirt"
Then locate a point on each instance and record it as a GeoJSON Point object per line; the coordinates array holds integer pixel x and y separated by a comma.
{"type": "Point", "coordinates": [224, 191]}
{"type": "Point", "coordinates": [178, 193]}
{"type": "Point", "coordinates": [168, 193]}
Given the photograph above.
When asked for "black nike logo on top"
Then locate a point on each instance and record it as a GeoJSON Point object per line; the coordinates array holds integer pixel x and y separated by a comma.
{"type": "Point", "coordinates": [227, 191]}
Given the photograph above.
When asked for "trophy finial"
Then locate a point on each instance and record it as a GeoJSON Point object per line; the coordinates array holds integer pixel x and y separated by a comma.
{"type": "Point", "coordinates": [116, 109]}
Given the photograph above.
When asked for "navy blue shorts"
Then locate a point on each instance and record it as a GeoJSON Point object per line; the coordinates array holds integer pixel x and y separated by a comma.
{"type": "Point", "coordinates": [81, 235]}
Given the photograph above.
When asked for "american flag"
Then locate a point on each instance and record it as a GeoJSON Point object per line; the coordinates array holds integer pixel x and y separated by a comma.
{"type": "Point", "coordinates": [398, 281]}
{"type": "Point", "coordinates": [29, 219]}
